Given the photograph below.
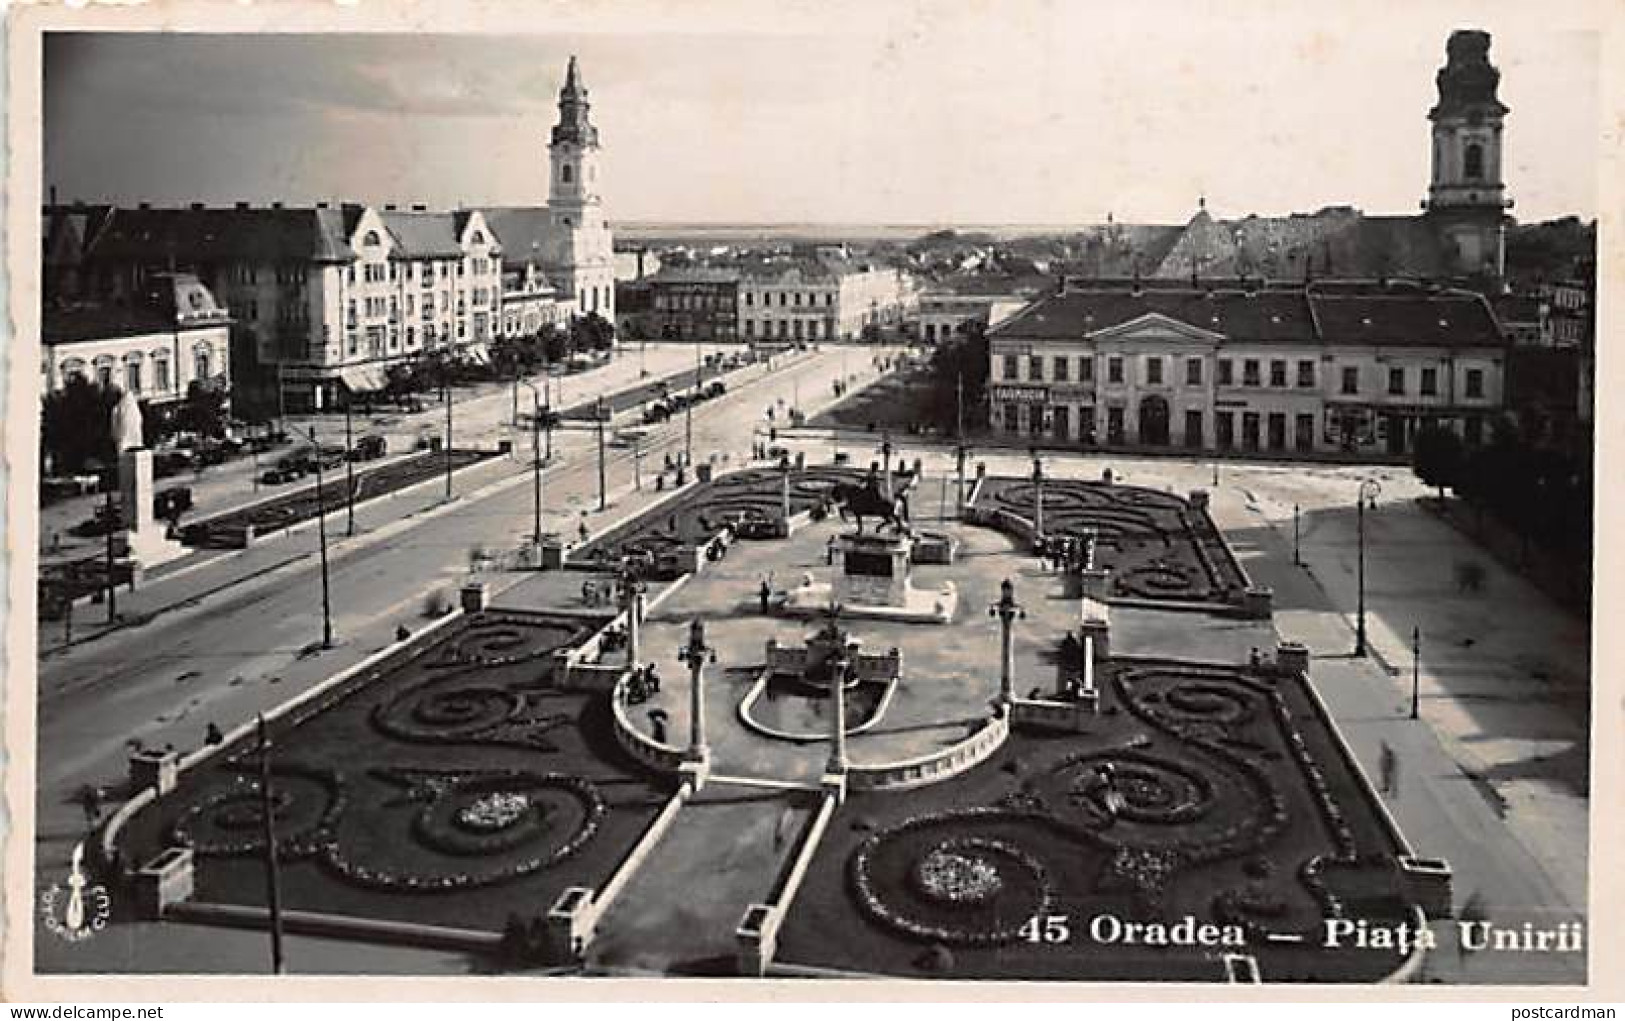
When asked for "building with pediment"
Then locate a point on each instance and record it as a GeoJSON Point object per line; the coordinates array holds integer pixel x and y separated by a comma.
{"type": "Point", "coordinates": [1248, 367]}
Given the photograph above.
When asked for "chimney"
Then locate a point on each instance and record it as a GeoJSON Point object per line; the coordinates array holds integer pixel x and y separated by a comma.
{"type": "Point", "coordinates": [241, 204]}
{"type": "Point", "coordinates": [144, 205]}
{"type": "Point", "coordinates": [197, 206]}
{"type": "Point", "coordinates": [389, 207]}
{"type": "Point", "coordinates": [276, 205]}
{"type": "Point", "coordinates": [321, 205]}
{"type": "Point", "coordinates": [420, 207]}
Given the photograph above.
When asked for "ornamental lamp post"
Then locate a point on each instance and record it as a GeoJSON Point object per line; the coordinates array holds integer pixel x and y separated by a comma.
{"type": "Point", "coordinates": [1416, 672]}
{"type": "Point", "coordinates": [1038, 497]}
{"type": "Point", "coordinates": [1369, 489]}
{"type": "Point", "coordinates": [1008, 611]}
{"type": "Point", "coordinates": [696, 654]}
{"type": "Point", "coordinates": [321, 532]}
{"type": "Point", "coordinates": [535, 461]}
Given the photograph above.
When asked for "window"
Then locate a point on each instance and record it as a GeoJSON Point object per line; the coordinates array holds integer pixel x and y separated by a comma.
{"type": "Point", "coordinates": [160, 373]}
{"type": "Point", "coordinates": [1351, 379]}
{"type": "Point", "coordinates": [1306, 372]}
{"type": "Point", "coordinates": [829, 299]}
{"type": "Point", "coordinates": [1114, 369]}
{"type": "Point", "coordinates": [1035, 368]}
{"type": "Point", "coordinates": [1396, 381]}
{"type": "Point", "coordinates": [132, 373]}
{"type": "Point", "coordinates": [1277, 372]}
{"type": "Point", "coordinates": [202, 357]}
{"type": "Point", "coordinates": [371, 238]}
{"type": "Point", "coordinates": [1473, 162]}
{"type": "Point", "coordinates": [798, 299]}
{"type": "Point", "coordinates": [749, 299]}
{"type": "Point", "coordinates": [1062, 369]}
{"type": "Point", "coordinates": [1249, 372]}
{"type": "Point", "coordinates": [566, 172]}
{"type": "Point", "coordinates": [1227, 374]}
{"type": "Point", "coordinates": [1430, 382]}
{"type": "Point", "coordinates": [1153, 371]}
{"type": "Point", "coordinates": [104, 371]}
{"type": "Point", "coordinates": [1475, 382]}
{"type": "Point", "coordinates": [784, 299]}
{"type": "Point", "coordinates": [1011, 370]}
{"type": "Point", "coordinates": [1086, 369]}
{"type": "Point", "coordinates": [1193, 373]}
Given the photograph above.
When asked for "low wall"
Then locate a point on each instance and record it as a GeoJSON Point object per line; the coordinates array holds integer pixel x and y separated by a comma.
{"type": "Point", "coordinates": [662, 758]}
{"type": "Point", "coordinates": [572, 921]}
{"type": "Point", "coordinates": [320, 924]}
{"type": "Point", "coordinates": [938, 765]}
{"type": "Point", "coordinates": [758, 933]}
{"type": "Point", "coordinates": [1073, 717]}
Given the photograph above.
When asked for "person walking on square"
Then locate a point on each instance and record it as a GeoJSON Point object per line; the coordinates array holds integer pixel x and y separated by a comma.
{"type": "Point", "coordinates": [764, 594]}
{"type": "Point", "coordinates": [1388, 768]}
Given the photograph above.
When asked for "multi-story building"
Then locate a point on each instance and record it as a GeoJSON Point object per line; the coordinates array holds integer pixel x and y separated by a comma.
{"type": "Point", "coordinates": [155, 345]}
{"type": "Point", "coordinates": [694, 303]}
{"type": "Point", "coordinates": [820, 299]}
{"type": "Point", "coordinates": [324, 299]}
{"type": "Point", "coordinates": [947, 312]}
{"type": "Point", "coordinates": [530, 305]}
{"type": "Point", "coordinates": [1245, 366]}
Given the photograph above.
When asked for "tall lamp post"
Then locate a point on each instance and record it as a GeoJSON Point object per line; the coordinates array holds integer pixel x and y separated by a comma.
{"type": "Point", "coordinates": [688, 409]}
{"type": "Point", "coordinates": [448, 439]}
{"type": "Point", "coordinates": [535, 461]}
{"type": "Point", "coordinates": [1416, 672]}
{"type": "Point", "coordinates": [321, 532]}
{"type": "Point", "coordinates": [1369, 489]}
{"type": "Point", "coordinates": [349, 469]}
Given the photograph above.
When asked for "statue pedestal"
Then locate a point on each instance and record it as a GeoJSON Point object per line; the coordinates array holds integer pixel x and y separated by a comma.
{"type": "Point", "coordinates": [148, 544]}
{"type": "Point", "coordinates": [871, 580]}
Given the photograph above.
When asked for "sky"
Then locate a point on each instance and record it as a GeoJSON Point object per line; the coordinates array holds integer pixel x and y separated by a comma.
{"type": "Point", "coordinates": [959, 111]}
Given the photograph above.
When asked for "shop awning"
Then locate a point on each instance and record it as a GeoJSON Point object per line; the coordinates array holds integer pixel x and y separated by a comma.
{"type": "Point", "coordinates": [362, 378]}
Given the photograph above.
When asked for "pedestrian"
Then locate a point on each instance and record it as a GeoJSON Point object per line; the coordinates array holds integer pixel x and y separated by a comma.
{"type": "Point", "coordinates": [90, 799]}
{"type": "Point", "coordinates": [829, 552]}
{"type": "Point", "coordinates": [1388, 769]}
{"type": "Point", "coordinates": [402, 633]}
{"type": "Point", "coordinates": [764, 594]}
{"type": "Point", "coordinates": [212, 734]}
{"type": "Point", "coordinates": [1252, 658]}
{"type": "Point", "coordinates": [652, 677]}
{"type": "Point", "coordinates": [582, 529]}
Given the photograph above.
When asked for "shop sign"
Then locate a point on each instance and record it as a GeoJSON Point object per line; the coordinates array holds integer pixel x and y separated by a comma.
{"type": "Point", "coordinates": [1021, 394]}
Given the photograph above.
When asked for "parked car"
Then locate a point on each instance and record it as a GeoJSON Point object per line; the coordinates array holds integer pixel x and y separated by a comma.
{"type": "Point", "coordinates": [170, 502]}
{"type": "Point", "coordinates": [369, 448]}
{"type": "Point", "coordinates": [628, 438]}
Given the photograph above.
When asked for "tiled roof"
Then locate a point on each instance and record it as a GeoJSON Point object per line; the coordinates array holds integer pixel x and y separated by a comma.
{"type": "Point", "coordinates": [172, 303]}
{"type": "Point", "coordinates": [1334, 313]}
{"type": "Point", "coordinates": [424, 235]}
{"type": "Point", "coordinates": [262, 234]}
{"type": "Point", "coordinates": [696, 275]}
{"type": "Point", "coordinates": [525, 232]}
{"type": "Point", "coordinates": [1335, 241]}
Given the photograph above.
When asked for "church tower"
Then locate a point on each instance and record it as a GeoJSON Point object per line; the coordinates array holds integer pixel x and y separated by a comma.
{"type": "Point", "coordinates": [1467, 197]}
{"type": "Point", "coordinates": [583, 249]}
{"type": "Point", "coordinates": [573, 192]}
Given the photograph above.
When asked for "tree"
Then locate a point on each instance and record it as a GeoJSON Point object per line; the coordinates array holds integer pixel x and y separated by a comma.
{"type": "Point", "coordinates": [592, 332]}
{"type": "Point", "coordinates": [1437, 456]}
{"type": "Point", "coordinates": [76, 425]}
{"type": "Point", "coordinates": [204, 410]}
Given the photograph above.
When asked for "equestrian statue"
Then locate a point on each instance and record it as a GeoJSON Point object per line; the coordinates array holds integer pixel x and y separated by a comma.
{"type": "Point", "coordinates": [866, 500]}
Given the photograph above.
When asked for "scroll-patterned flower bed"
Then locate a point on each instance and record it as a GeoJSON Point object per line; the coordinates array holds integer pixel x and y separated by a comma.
{"type": "Point", "coordinates": [1156, 545]}
{"type": "Point", "coordinates": [1206, 793]}
{"type": "Point", "coordinates": [450, 785]}
{"type": "Point", "coordinates": [739, 497]}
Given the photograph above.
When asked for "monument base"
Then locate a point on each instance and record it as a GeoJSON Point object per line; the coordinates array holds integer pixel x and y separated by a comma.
{"type": "Point", "coordinates": [150, 547]}
{"type": "Point", "coordinates": [918, 606]}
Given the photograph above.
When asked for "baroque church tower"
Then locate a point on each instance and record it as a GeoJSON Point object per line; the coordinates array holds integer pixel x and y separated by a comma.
{"type": "Point", "coordinates": [1467, 197]}
{"type": "Point", "coordinates": [585, 257]}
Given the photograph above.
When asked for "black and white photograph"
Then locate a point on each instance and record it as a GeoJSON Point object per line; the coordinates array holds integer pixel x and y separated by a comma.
{"type": "Point", "coordinates": [1057, 492]}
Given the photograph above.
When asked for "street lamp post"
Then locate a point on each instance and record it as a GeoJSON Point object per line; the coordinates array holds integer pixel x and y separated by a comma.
{"type": "Point", "coordinates": [1416, 672]}
{"type": "Point", "coordinates": [535, 461]}
{"type": "Point", "coordinates": [1297, 549]}
{"type": "Point", "coordinates": [448, 440]}
{"type": "Point", "coordinates": [349, 470]}
{"type": "Point", "coordinates": [688, 409]}
{"type": "Point", "coordinates": [599, 411]}
{"type": "Point", "coordinates": [1368, 492]}
{"type": "Point", "coordinates": [321, 532]}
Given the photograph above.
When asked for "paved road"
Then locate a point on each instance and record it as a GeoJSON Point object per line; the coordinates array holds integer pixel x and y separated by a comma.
{"type": "Point", "coordinates": [251, 647]}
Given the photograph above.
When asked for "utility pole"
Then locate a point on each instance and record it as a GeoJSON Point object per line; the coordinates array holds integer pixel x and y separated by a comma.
{"type": "Point", "coordinates": [112, 526]}
{"type": "Point", "coordinates": [1367, 494]}
{"type": "Point", "coordinates": [448, 440]}
{"type": "Point", "coordinates": [1297, 549]}
{"type": "Point", "coordinates": [599, 412]}
{"type": "Point", "coordinates": [1416, 672]}
{"type": "Point", "coordinates": [349, 470]}
{"type": "Point", "coordinates": [688, 410]}
{"type": "Point", "coordinates": [273, 887]}
{"type": "Point", "coordinates": [321, 532]}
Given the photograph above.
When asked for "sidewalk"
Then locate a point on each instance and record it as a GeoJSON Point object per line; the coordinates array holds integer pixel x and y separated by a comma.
{"type": "Point", "coordinates": [1527, 859]}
